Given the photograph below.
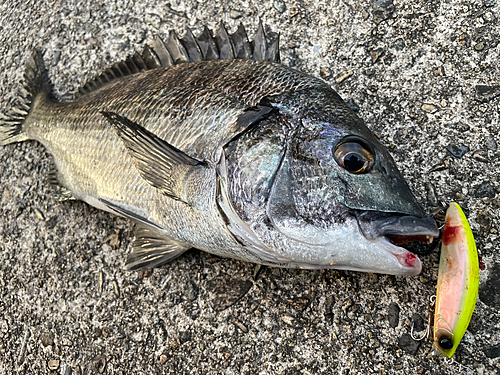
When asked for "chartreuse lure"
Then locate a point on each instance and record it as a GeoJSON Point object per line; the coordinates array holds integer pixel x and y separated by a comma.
{"type": "Point", "coordinates": [458, 282]}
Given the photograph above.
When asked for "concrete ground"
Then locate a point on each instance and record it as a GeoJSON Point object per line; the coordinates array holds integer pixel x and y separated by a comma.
{"type": "Point", "coordinates": [425, 76]}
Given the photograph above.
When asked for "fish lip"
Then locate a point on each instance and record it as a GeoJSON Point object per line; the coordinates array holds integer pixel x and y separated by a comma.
{"type": "Point", "coordinates": [408, 261]}
{"type": "Point", "coordinates": [374, 224]}
{"type": "Point", "coordinates": [392, 229]}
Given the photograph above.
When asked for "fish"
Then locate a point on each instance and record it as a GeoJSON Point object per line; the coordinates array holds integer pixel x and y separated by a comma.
{"type": "Point", "coordinates": [458, 282]}
{"type": "Point", "coordinates": [209, 142]}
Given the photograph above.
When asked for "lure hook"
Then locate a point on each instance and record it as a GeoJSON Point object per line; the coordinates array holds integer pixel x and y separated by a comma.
{"type": "Point", "coordinates": [424, 336]}
{"type": "Point", "coordinates": [428, 330]}
{"type": "Point", "coordinates": [442, 226]}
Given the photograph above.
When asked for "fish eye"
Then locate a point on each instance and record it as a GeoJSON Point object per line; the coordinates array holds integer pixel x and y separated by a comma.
{"type": "Point", "coordinates": [445, 343]}
{"type": "Point", "coordinates": [354, 156]}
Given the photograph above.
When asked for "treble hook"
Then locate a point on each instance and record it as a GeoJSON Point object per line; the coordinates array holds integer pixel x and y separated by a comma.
{"type": "Point", "coordinates": [428, 330]}
{"type": "Point", "coordinates": [462, 369]}
{"type": "Point", "coordinates": [426, 333]}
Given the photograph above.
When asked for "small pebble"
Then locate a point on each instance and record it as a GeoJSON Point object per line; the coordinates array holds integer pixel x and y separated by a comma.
{"type": "Point", "coordinates": [116, 289]}
{"type": "Point", "coordinates": [493, 352]}
{"type": "Point", "coordinates": [376, 55]}
{"type": "Point", "coordinates": [39, 214]}
{"type": "Point", "coordinates": [53, 364]}
{"type": "Point", "coordinates": [406, 343]}
{"type": "Point", "coordinates": [299, 303]}
{"type": "Point", "coordinates": [4, 326]}
{"type": "Point", "coordinates": [288, 320]}
{"type": "Point", "coordinates": [429, 108]}
{"type": "Point", "coordinates": [235, 14]}
{"type": "Point", "coordinates": [85, 16]}
{"type": "Point", "coordinates": [101, 281]}
{"type": "Point", "coordinates": [47, 338]}
{"type": "Point", "coordinates": [481, 155]}
{"type": "Point", "coordinates": [163, 358]}
{"type": "Point", "coordinates": [383, 9]}
{"type": "Point", "coordinates": [100, 364]}
{"type": "Point", "coordinates": [486, 93]}
{"type": "Point", "coordinates": [24, 343]}
{"type": "Point", "coordinates": [240, 325]}
{"type": "Point", "coordinates": [439, 71]}
{"type": "Point", "coordinates": [57, 57]}
{"type": "Point", "coordinates": [441, 166]}
{"type": "Point", "coordinates": [192, 291]}
{"type": "Point", "coordinates": [279, 5]}
{"type": "Point", "coordinates": [185, 336]}
{"type": "Point", "coordinates": [479, 46]}
{"type": "Point", "coordinates": [431, 194]}
{"type": "Point", "coordinates": [325, 73]}
{"type": "Point", "coordinates": [458, 126]}
{"type": "Point", "coordinates": [393, 314]}
{"type": "Point", "coordinates": [343, 76]}
{"type": "Point", "coordinates": [457, 150]}
{"type": "Point", "coordinates": [485, 190]}
{"type": "Point", "coordinates": [490, 144]}
{"type": "Point", "coordinates": [105, 331]}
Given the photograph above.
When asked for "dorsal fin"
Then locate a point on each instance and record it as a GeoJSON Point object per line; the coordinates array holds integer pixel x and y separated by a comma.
{"type": "Point", "coordinates": [189, 49]}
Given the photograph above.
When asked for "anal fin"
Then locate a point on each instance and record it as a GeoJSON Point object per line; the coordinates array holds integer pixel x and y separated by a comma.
{"type": "Point", "coordinates": [151, 248]}
{"type": "Point", "coordinates": [60, 192]}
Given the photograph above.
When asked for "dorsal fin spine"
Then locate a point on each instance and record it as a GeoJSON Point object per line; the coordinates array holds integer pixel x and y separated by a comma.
{"type": "Point", "coordinates": [192, 48]}
{"type": "Point", "coordinates": [207, 45]}
{"type": "Point", "coordinates": [224, 43]}
{"type": "Point", "coordinates": [176, 49]}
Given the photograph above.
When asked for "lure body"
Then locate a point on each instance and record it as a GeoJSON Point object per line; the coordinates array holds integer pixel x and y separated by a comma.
{"type": "Point", "coordinates": [458, 282]}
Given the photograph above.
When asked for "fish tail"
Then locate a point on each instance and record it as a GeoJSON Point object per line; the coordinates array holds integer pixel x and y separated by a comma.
{"type": "Point", "coordinates": [36, 82]}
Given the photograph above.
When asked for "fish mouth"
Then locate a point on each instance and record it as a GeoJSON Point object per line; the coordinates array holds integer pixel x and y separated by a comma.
{"type": "Point", "coordinates": [391, 230]}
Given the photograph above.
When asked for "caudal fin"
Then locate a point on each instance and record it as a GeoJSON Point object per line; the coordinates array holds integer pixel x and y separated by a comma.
{"type": "Point", "coordinates": [11, 123]}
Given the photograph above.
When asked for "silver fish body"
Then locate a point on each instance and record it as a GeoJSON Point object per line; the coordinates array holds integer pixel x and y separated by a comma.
{"type": "Point", "coordinates": [240, 158]}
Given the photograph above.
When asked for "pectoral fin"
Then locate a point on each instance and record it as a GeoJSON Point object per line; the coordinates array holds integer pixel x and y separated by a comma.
{"type": "Point", "coordinates": [159, 163]}
{"type": "Point", "coordinates": [151, 248]}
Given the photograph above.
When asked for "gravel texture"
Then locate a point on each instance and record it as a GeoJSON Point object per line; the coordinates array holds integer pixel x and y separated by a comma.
{"type": "Point", "coordinates": [425, 76]}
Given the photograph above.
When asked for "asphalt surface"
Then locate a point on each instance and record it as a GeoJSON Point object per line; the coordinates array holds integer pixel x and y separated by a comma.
{"type": "Point", "coordinates": [425, 77]}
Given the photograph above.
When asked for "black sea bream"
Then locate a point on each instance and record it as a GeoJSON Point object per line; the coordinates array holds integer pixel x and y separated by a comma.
{"type": "Point", "coordinates": [210, 143]}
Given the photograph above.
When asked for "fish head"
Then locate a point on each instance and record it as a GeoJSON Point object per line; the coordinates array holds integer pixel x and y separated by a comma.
{"type": "Point", "coordinates": [334, 196]}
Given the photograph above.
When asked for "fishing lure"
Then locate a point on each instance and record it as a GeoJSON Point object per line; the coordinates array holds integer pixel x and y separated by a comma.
{"type": "Point", "coordinates": [458, 282]}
